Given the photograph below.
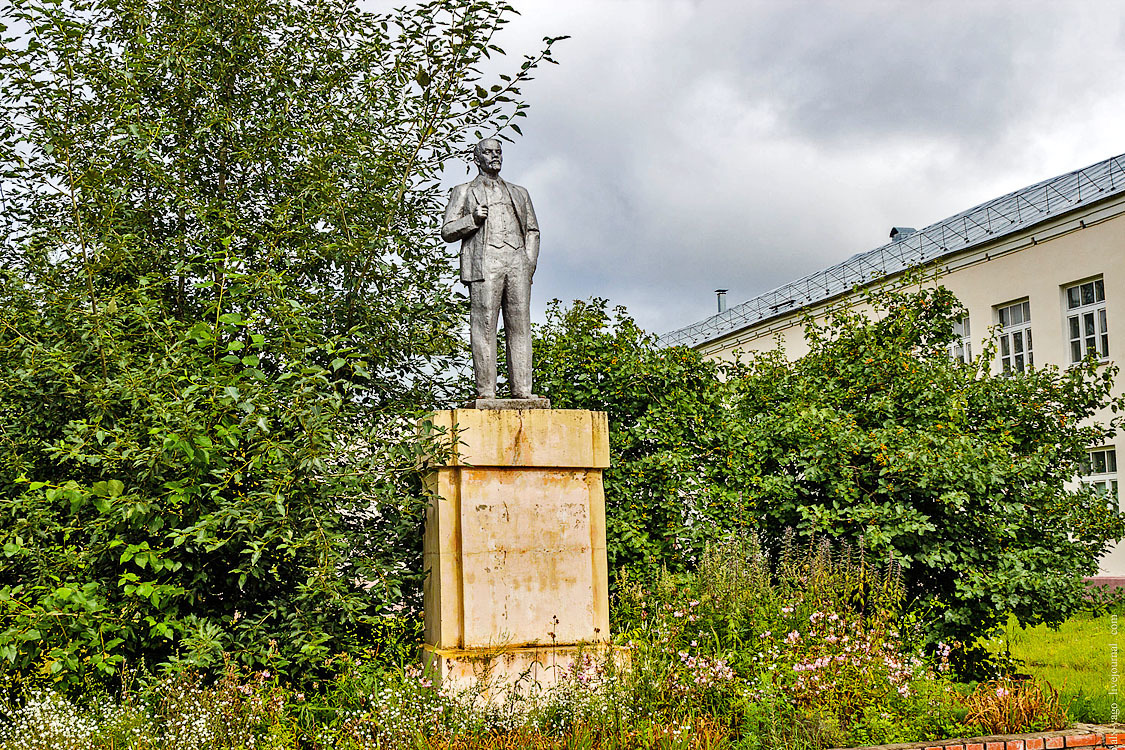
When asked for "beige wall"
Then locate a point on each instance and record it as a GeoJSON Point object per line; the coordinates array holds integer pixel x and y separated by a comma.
{"type": "Point", "coordinates": [1035, 265]}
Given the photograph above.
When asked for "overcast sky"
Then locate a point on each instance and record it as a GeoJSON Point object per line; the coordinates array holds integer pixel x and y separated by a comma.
{"type": "Point", "coordinates": [685, 145]}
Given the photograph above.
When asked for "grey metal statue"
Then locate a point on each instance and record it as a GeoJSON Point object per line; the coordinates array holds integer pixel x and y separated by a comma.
{"type": "Point", "coordinates": [499, 248]}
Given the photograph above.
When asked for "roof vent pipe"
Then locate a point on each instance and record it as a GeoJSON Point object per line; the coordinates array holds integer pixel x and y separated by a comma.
{"type": "Point", "coordinates": [721, 298]}
{"type": "Point", "coordinates": [901, 233]}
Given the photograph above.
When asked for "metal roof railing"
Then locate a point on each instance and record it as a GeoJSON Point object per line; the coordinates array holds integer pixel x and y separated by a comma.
{"type": "Point", "coordinates": [989, 221]}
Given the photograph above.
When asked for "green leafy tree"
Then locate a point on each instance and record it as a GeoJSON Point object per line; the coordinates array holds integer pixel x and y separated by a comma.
{"type": "Point", "coordinates": [222, 301]}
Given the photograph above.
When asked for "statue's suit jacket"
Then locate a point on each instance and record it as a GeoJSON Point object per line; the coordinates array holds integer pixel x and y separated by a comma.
{"type": "Point", "coordinates": [460, 225]}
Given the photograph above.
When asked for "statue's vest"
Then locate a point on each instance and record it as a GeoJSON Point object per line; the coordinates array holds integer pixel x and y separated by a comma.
{"type": "Point", "coordinates": [503, 224]}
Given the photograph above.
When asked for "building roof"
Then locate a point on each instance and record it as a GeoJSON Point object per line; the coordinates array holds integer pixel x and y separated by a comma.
{"type": "Point", "coordinates": [997, 218]}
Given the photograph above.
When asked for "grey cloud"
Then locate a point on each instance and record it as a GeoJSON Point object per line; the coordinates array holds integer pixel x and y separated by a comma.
{"type": "Point", "coordinates": [681, 146]}
{"type": "Point", "coordinates": [849, 75]}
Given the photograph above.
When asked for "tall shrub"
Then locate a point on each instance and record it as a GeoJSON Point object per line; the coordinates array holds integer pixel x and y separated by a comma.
{"type": "Point", "coordinates": [963, 476]}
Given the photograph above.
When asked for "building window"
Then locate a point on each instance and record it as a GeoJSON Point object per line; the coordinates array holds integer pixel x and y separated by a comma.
{"type": "Point", "coordinates": [962, 348]}
{"type": "Point", "coordinates": [1085, 320]}
{"type": "Point", "coordinates": [1015, 336]}
{"type": "Point", "coordinates": [1100, 471]}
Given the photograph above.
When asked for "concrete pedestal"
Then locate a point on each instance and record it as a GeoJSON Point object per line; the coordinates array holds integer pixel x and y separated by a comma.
{"type": "Point", "coordinates": [515, 544]}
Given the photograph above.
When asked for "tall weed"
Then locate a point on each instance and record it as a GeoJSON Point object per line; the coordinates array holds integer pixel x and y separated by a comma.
{"type": "Point", "coordinates": [821, 630]}
{"type": "Point", "coordinates": [1006, 706]}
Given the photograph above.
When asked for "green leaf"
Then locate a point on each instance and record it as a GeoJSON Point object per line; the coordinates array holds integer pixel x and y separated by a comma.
{"type": "Point", "coordinates": [201, 332]}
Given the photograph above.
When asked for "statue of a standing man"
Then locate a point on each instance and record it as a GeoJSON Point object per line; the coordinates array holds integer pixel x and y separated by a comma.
{"type": "Point", "coordinates": [499, 248]}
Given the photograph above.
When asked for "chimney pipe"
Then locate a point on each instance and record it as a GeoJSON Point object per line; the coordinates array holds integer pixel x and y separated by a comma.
{"type": "Point", "coordinates": [721, 298]}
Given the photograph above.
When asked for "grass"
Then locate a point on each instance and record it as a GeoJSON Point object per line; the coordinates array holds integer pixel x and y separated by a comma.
{"type": "Point", "coordinates": [1077, 659]}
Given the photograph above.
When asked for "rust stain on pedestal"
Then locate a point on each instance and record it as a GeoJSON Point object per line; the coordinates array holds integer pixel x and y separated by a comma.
{"type": "Point", "coordinates": [515, 544]}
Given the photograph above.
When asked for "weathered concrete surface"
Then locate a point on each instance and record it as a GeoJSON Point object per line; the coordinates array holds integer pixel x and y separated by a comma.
{"type": "Point", "coordinates": [497, 671]}
{"type": "Point", "coordinates": [515, 544]}
{"type": "Point", "coordinates": [539, 438]}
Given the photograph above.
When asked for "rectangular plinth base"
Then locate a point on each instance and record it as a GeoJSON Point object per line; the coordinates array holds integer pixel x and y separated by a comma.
{"type": "Point", "coordinates": [496, 673]}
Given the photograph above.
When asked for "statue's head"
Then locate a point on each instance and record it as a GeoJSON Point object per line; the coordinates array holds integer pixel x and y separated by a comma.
{"type": "Point", "coordinates": [489, 156]}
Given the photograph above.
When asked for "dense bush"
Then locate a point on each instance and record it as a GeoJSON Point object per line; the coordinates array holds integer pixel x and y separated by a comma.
{"type": "Point", "coordinates": [876, 436]}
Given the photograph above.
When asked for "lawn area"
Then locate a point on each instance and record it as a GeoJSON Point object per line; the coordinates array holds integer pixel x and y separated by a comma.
{"type": "Point", "coordinates": [1077, 659]}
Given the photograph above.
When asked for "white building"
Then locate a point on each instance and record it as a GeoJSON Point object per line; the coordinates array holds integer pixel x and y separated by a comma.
{"type": "Point", "coordinates": [1044, 265]}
